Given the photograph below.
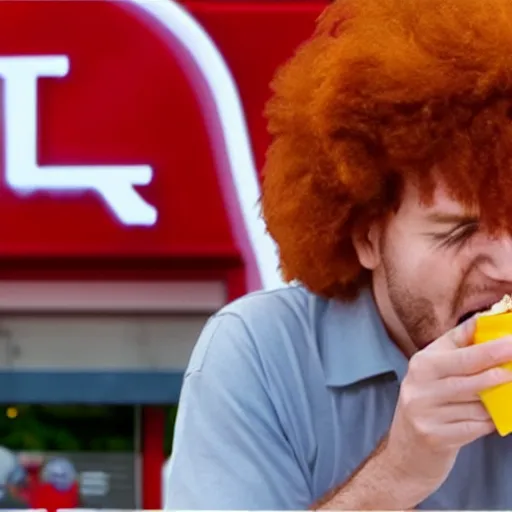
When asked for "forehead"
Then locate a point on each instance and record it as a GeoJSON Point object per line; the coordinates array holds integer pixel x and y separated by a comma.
{"type": "Point", "coordinates": [442, 204]}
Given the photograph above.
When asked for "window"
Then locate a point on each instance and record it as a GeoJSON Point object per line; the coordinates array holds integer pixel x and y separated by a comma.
{"type": "Point", "coordinates": [69, 428]}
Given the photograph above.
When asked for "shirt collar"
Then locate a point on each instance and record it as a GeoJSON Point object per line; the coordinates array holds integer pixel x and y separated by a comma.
{"type": "Point", "coordinates": [355, 345]}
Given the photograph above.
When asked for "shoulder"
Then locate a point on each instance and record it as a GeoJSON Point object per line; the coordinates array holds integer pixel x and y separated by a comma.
{"type": "Point", "coordinates": [260, 325]}
{"type": "Point", "coordinates": [244, 389]}
{"type": "Point", "coordinates": [291, 303]}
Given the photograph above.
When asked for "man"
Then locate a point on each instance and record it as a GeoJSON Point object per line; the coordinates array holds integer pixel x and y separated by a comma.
{"type": "Point", "coordinates": [58, 488]}
{"type": "Point", "coordinates": [388, 189]}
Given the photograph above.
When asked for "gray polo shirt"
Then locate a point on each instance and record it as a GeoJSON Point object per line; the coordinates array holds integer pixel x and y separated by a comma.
{"type": "Point", "coordinates": [286, 394]}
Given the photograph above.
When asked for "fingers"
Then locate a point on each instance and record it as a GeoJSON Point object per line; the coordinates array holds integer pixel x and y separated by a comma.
{"type": "Point", "coordinates": [464, 432]}
{"type": "Point", "coordinates": [466, 361]}
{"type": "Point", "coordinates": [466, 389]}
{"type": "Point", "coordinates": [453, 390]}
{"type": "Point", "coordinates": [453, 433]}
{"type": "Point", "coordinates": [455, 413]}
{"type": "Point", "coordinates": [458, 337]}
{"type": "Point", "coordinates": [440, 393]}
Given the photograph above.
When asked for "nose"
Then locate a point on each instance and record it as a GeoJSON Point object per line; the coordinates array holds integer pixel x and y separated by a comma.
{"type": "Point", "coordinates": [497, 263]}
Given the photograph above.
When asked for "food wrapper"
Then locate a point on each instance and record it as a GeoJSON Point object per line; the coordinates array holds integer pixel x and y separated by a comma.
{"type": "Point", "coordinates": [497, 400]}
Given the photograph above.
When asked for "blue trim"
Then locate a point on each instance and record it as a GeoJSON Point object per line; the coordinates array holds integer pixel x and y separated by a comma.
{"type": "Point", "coordinates": [86, 387]}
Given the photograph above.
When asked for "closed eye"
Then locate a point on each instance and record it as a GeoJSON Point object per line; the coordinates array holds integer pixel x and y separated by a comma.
{"type": "Point", "coordinates": [457, 236]}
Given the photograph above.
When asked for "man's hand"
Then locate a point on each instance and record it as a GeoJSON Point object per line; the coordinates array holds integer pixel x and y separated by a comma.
{"type": "Point", "coordinates": [438, 412]}
{"type": "Point", "coordinates": [439, 409]}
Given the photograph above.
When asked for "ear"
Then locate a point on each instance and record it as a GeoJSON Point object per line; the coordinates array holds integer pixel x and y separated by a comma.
{"type": "Point", "coordinates": [367, 243]}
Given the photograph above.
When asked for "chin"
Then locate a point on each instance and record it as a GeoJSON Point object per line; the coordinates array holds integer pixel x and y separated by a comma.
{"type": "Point", "coordinates": [428, 338]}
{"type": "Point", "coordinates": [421, 344]}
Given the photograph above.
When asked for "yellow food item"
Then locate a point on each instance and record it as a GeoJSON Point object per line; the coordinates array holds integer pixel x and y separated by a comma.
{"type": "Point", "coordinates": [491, 325]}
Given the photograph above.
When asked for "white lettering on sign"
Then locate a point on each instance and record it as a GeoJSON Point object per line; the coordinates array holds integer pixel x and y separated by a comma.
{"type": "Point", "coordinates": [114, 183]}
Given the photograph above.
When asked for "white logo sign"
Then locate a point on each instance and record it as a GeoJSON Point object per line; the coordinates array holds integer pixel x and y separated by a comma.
{"type": "Point", "coordinates": [114, 183]}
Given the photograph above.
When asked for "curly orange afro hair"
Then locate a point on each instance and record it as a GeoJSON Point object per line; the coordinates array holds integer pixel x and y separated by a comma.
{"type": "Point", "coordinates": [386, 91]}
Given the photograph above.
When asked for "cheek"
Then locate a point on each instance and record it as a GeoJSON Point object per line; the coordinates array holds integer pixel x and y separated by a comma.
{"type": "Point", "coordinates": [428, 273]}
{"type": "Point", "coordinates": [410, 260]}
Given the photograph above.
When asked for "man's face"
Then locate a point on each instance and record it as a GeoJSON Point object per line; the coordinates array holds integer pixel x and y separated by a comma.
{"type": "Point", "coordinates": [433, 266]}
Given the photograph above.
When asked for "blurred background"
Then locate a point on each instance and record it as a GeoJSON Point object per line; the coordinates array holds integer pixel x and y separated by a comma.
{"type": "Point", "coordinates": [99, 312]}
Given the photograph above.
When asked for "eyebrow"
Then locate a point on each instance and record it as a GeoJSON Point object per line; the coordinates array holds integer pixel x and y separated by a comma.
{"type": "Point", "coordinates": [451, 218]}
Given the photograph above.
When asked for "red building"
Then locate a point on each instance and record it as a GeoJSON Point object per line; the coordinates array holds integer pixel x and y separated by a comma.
{"type": "Point", "coordinates": [132, 136]}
